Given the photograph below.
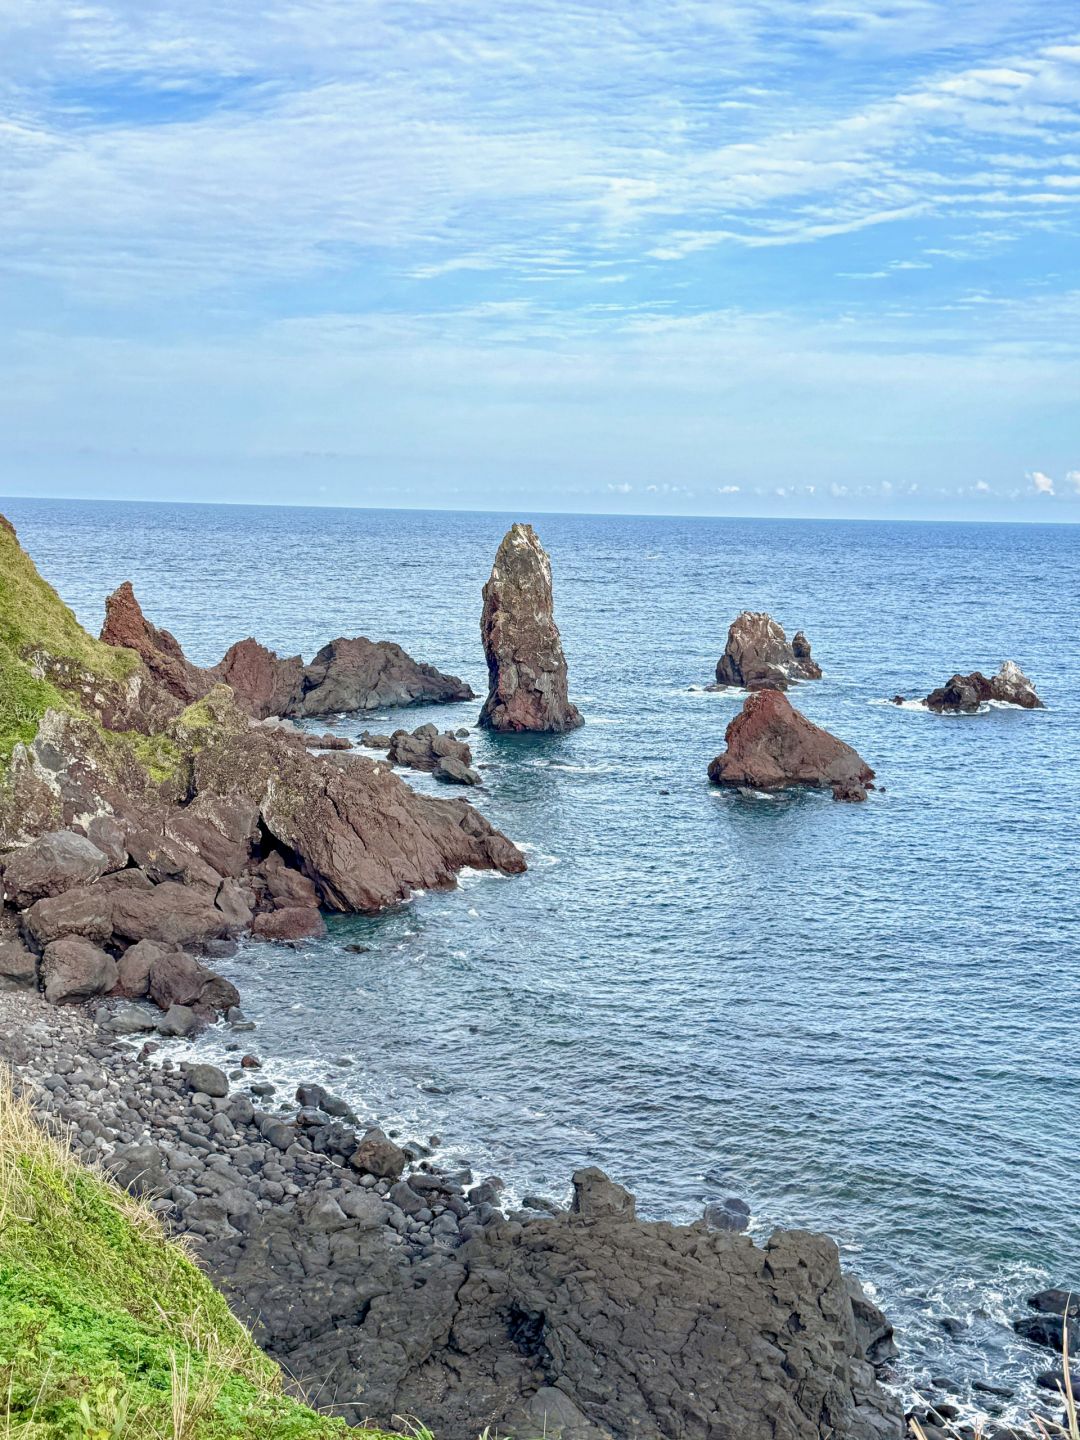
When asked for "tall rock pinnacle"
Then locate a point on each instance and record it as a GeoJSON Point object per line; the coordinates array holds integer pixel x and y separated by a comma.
{"type": "Point", "coordinates": [526, 665]}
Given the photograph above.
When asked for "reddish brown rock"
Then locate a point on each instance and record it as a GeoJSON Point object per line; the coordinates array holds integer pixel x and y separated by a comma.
{"type": "Point", "coordinates": [757, 655]}
{"type": "Point", "coordinates": [770, 746]}
{"type": "Point", "coordinates": [527, 681]}
{"type": "Point", "coordinates": [350, 824]}
{"type": "Point", "coordinates": [169, 913]}
{"type": "Point", "coordinates": [176, 978]}
{"type": "Point", "coordinates": [289, 923]}
{"type": "Point", "coordinates": [126, 625]}
{"type": "Point", "coordinates": [73, 969]}
{"type": "Point", "coordinates": [263, 683]}
{"type": "Point", "coordinates": [965, 693]}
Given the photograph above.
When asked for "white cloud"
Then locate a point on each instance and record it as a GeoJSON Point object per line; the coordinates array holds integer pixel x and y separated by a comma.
{"type": "Point", "coordinates": [1073, 477]}
{"type": "Point", "coordinates": [620, 489]}
{"type": "Point", "coordinates": [1043, 483]}
{"type": "Point", "coordinates": [728, 490]}
{"type": "Point", "coordinates": [981, 487]}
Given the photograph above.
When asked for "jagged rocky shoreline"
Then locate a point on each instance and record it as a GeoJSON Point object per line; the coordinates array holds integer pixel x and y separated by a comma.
{"type": "Point", "coordinates": [393, 1288]}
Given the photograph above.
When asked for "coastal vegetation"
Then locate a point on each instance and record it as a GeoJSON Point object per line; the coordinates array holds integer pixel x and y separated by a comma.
{"type": "Point", "coordinates": [108, 1331]}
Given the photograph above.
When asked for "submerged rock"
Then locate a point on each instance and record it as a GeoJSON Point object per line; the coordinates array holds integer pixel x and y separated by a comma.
{"type": "Point", "coordinates": [771, 746]}
{"type": "Point", "coordinates": [757, 655]}
{"type": "Point", "coordinates": [527, 682]}
{"type": "Point", "coordinates": [965, 693]}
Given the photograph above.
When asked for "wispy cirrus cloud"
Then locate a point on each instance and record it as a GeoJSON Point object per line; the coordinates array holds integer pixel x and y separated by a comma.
{"type": "Point", "coordinates": [659, 193]}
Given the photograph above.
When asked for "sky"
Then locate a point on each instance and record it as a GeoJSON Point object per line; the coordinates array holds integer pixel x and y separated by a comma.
{"type": "Point", "coordinates": [748, 257]}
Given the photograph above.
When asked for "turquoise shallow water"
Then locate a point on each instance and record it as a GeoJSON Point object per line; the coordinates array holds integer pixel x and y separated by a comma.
{"type": "Point", "coordinates": [862, 1019]}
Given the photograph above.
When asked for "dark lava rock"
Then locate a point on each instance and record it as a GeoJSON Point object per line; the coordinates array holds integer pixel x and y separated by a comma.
{"type": "Point", "coordinates": [1056, 1302]}
{"type": "Point", "coordinates": [771, 746]}
{"type": "Point", "coordinates": [730, 1214]}
{"type": "Point", "coordinates": [1049, 1330]}
{"type": "Point", "coordinates": [657, 1331]}
{"type": "Point", "coordinates": [362, 674]}
{"type": "Point", "coordinates": [757, 655]}
{"type": "Point", "coordinates": [378, 1155]}
{"type": "Point", "coordinates": [527, 681]}
{"type": "Point", "coordinates": [208, 1079]}
{"type": "Point", "coordinates": [965, 693]}
{"type": "Point", "coordinates": [872, 1328]}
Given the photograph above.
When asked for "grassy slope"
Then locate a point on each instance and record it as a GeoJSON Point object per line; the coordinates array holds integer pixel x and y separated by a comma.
{"type": "Point", "coordinates": [34, 618]}
{"type": "Point", "coordinates": [107, 1330]}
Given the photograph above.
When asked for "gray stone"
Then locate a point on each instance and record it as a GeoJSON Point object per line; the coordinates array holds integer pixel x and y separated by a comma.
{"type": "Point", "coordinates": [208, 1079]}
{"type": "Point", "coordinates": [74, 969]}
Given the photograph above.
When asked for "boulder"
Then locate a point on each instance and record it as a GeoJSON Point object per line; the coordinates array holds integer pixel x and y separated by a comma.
{"type": "Point", "coordinates": [207, 1079]}
{"type": "Point", "coordinates": [285, 887]}
{"type": "Point", "coordinates": [126, 625]}
{"type": "Point", "coordinates": [444, 756]}
{"type": "Point", "coordinates": [133, 967]}
{"type": "Point", "coordinates": [598, 1198]}
{"type": "Point", "coordinates": [179, 979]}
{"type": "Point", "coordinates": [757, 655]}
{"type": "Point", "coordinates": [378, 1155]}
{"type": "Point", "coordinates": [527, 680]}
{"type": "Point", "coordinates": [180, 1021]}
{"type": "Point", "coordinates": [771, 746]}
{"type": "Point", "coordinates": [52, 865]}
{"type": "Point", "coordinates": [170, 913]}
{"type": "Point", "coordinates": [1050, 1331]}
{"type": "Point", "coordinates": [18, 965]}
{"type": "Point", "coordinates": [965, 693]}
{"type": "Point", "coordinates": [1056, 1302]}
{"type": "Point", "coordinates": [290, 923]}
{"type": "Point", "coordinates": [730, 1214]}
{"type": "Point", "coordinates": [74, 969]}
{"type": "Point", "coordinates": [86, 912]}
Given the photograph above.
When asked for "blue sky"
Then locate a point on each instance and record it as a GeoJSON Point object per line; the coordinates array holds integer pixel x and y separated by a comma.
{"type": "Point", "coordinates": [794, 257]}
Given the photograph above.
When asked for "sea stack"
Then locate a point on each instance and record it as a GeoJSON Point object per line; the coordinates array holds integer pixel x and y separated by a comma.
{"type": "Point", "coordinates": [526, 666]}
{"type": "Point", "coordinates": [770, 746]}
{"type": "Point", "coordinates": [965, 693]}
{"type": "Point", "coordinates": [757, 655]}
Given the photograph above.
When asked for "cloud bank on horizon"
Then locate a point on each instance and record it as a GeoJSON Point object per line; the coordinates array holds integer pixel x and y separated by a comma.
{"type": "Point", "coordinates": [720, 256]}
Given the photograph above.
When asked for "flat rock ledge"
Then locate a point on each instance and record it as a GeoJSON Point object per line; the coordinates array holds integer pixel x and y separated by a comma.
{"type": "Point", "coordinates": [771, 746]}
{"type": "Point", "coordinates": [392, 1286]}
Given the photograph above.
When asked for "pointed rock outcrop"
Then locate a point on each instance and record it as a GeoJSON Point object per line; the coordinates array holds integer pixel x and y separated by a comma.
{"type": "Point", "coordinates": [126, 625]}
{"type": "Point", "coordinates": [771, 746]}
{"type": "Point", "coordinates": [527, 685]}
{"type": "Point", "coordinates": [757, 655]}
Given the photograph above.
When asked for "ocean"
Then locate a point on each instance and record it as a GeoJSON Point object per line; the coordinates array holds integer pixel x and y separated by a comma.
{"type": "Point", "coordinates": [861, 1019]}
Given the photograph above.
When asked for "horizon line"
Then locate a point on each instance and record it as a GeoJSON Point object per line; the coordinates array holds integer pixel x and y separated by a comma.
{"type": "Point", "coordinates": [533, 510]}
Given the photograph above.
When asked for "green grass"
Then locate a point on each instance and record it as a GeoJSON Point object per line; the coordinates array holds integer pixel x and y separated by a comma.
{"type": "Point", "coordinates": [34, 620]}
{"type": "Point", "coordinates": [108, 1331]}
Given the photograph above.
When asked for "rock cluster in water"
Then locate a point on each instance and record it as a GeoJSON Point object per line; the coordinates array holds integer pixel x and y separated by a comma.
{"type": "Point", "coordinates": [965, 693]}
{"type": "Point", "coordinates": [393, 1287]}
{"type": "Point", "coordinates": [445, 756]}
{"type": "Point", "coordinates": [771, 746]}
{"type": "Point", "coordinates": [345, 676]}
{"type": "Point", "coordinates": [757, 655]}
{"type": "Point", "coordinates": [527, 684]}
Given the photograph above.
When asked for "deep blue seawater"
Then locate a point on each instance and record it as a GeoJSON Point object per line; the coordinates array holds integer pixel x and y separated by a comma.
{"type": "Point", "coordinates": [863, 1019]}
